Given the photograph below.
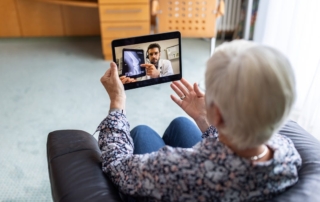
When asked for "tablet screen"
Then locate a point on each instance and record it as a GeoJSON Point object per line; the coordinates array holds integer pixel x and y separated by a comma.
{"type": "Point", "coordinates": [148, 60]}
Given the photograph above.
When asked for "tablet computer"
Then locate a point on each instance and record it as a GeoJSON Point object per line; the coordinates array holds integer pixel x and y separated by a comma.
{"type": "Point", "coordinates": [148, 60]}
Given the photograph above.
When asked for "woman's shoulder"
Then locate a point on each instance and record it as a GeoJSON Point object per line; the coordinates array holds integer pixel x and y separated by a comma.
{"type": "Point", "coordinates": [285, 155]}
{"type": "Point", "coordinates": [221, 155]}
{"type": "Point", "coordinates": [283, 147]}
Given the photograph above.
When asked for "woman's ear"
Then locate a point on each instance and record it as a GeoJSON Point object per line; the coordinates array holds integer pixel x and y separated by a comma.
{"type": "Point", "coordinates": [217, 117]}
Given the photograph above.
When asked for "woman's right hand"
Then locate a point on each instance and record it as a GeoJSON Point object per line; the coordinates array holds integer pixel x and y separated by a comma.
{"type": "Point", "coordinates": [111, 82]}
{"type": "Point", "coordinates": [191, 100]}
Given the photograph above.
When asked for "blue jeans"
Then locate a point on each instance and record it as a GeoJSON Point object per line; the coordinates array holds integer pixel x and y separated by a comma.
{"type": "Point", "coordinates": [180, 133]}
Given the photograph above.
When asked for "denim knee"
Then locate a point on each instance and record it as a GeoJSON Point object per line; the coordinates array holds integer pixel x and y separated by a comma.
{"type": "Point", "coordinates": [180, 121]}
{"type": "Point", "coordinates": [177, 124]}
{"type": "Point", "coordinates": [139, 130]}
{"type": "Point", "coordinates": [182, 132]}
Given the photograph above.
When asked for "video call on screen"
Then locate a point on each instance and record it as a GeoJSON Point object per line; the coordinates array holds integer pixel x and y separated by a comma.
{"type": "Point", "coordinates": [129, 58]}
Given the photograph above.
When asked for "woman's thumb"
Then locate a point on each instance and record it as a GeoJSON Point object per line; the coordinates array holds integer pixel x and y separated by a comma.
{"type": "Point", "coordinates": [114, 69]}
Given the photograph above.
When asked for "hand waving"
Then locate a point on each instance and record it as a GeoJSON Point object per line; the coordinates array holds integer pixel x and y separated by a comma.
{"type": "Point", "coordinates": [191, 100]}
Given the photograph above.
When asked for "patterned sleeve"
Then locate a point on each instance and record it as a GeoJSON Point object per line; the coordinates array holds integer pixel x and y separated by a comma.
{"type": "Point", "coordinates": [114, 138]}
{"type": "Point", "coordinates": [210, 132]}
{"type": "Point", "coordinates": [149, 175]}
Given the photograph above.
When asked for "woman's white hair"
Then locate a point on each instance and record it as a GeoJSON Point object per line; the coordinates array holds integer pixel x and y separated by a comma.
{"type": "Point", "coordinates": [253, 86]}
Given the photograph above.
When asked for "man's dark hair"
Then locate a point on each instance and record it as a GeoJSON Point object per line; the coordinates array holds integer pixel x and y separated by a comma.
{"type": "Point", "coordinates": [154, 45]}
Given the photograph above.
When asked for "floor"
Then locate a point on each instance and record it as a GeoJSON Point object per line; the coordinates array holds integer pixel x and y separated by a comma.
{"type": "Point", "coordinates": [50, 84]}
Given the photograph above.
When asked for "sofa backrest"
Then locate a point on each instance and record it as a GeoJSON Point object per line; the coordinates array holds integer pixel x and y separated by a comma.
{"type": "Point", "coordinates": [308, 186]}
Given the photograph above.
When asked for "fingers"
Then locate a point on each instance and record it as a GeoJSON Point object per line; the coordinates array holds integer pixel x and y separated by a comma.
{"type": "Point", "coordinates": [177, 90]}
{"type": "Point", "coordinates": [197, 90]}
{"type": "Point", "coordinates": [149, 67]}
{"type": "Point", "coordinates": [181, 87]}
{"type": "Point", "coordinates": [149, 72]}
{"type": "Point", "coordinates": [125, 80]}
{"type": "Point", "coordinates": [178, 101]}
{"type": "Point", "coordinates": [107, 73]}
{"type": "Point", "coordinates": [146, 65]}
{"type": "Point", "coordinates": [111, 72]}
{"type": "Point", "coordinates": [186, 84]}
{"type": "Point", "coordinates": [105, 76]}
{"type": "Point", "coordinates": [184, 88]}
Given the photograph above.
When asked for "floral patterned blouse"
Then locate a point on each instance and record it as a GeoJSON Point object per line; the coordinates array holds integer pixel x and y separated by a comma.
{"type": "Point", "coordinates": [209, 171]}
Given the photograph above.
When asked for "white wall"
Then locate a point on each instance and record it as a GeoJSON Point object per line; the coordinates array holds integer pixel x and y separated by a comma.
{"type": "Point", "coordinates": [163, 54]}
{"type": "Point", "coordinates": [291, 27]}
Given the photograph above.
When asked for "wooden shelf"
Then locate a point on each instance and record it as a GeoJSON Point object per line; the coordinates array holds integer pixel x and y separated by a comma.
{"type": "Point", "coordinates": [79, 3]}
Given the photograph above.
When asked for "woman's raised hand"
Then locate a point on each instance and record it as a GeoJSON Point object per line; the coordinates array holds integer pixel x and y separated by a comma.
{"type": "Point", "coordinates": [191, 100]}
{"type": "Point", "coordinates": [112, 83]}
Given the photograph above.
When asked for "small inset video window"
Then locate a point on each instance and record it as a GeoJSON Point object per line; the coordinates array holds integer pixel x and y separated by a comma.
{"type": "Point", "coordinates": [132, 59]}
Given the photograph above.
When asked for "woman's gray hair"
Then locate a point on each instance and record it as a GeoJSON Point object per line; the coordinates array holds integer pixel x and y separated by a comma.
{"type": "Point", "coordinates": [253, 86]}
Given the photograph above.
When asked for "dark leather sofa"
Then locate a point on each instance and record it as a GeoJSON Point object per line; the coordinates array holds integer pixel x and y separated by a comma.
{"type": "Point", "coordinates": [75, 168]}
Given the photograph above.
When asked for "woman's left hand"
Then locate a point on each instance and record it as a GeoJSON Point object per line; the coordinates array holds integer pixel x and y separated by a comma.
{"type": "Point", "coordinates": [191, 100]}
{"type": "Point", "coordinates": [112, 83]}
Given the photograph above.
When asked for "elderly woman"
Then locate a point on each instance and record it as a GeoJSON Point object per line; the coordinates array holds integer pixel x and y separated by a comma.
{"type": "Point", "coordinates": [250, 90]}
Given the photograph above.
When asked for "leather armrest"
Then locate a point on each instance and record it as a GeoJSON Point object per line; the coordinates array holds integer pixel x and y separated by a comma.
{"type": "Point", "coordinates": [75, 168]}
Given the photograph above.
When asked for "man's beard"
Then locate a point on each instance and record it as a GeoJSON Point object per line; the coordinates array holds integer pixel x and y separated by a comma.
{"type": "Point", "coordinates": [152, 61]}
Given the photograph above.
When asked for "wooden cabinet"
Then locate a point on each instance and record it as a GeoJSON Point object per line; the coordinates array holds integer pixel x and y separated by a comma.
{"type": "Point", "coordinates": [121, 19]}
{"type": "Point", "coordinates": [109, 18]}
{"type": "Point", "coordinates": [123, 13]}
{"type": "Point", "coordinates": [80, 21]}
{"type": "Point", "coordinates": [9, 24]}
{"type": "Point", "coordinates": [39, 19]}
{"type": "Point", "coordinates": [124, 29]}
{"type": "Point", "coordinates": [123, 1]}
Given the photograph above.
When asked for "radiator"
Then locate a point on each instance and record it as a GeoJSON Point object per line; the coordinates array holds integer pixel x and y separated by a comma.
{"type": "Point", "coordinates": [229, 21]}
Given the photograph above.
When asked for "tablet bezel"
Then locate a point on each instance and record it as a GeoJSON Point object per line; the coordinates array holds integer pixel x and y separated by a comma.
{"type": "Point", "coordinates": [152, 39]}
